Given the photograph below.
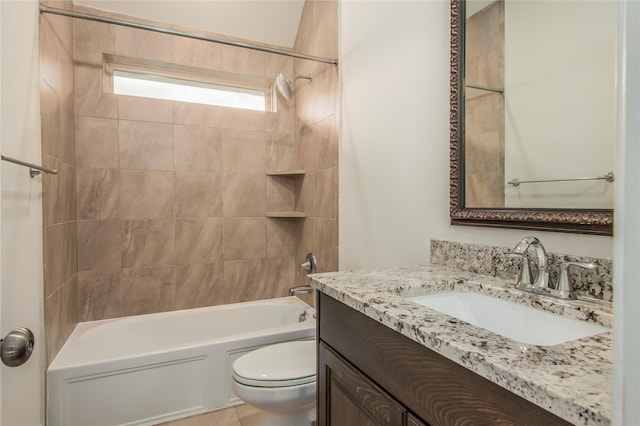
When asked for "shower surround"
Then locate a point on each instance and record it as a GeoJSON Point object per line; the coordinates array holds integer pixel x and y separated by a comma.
{"type": "Point", "coordinates": [167, 201]}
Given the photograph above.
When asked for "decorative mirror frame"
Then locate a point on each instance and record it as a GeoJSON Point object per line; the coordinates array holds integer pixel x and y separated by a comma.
{"type": "Point", "coordinates": [582, 221]}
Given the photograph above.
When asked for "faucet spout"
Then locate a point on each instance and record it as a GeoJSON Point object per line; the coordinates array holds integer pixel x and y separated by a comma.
{"type": "Point", "coordinates": [541, 282]}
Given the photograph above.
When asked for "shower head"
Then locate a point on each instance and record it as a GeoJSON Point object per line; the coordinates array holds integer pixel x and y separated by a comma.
{"type": "Point", "coordinates": [284, 85]}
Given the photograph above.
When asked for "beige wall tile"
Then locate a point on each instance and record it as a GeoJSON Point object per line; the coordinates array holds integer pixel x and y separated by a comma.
{"type": "Point", "coordinates": [98, 245]}
{"type": "Point", "coordinates": [281, 193]}
{"type": "Point", "coordinates": [197, 149]}
{"type": "Point", "coordinates": [97, 142]}
{"type": "Point", "coordinates": [244, 195]}
{"type": "Point", "coordinates": [325, 199]}
{"type": "Point", "coordinates": [199, 285]}
{"type": "Point", "coordinates": [66, 91]}
{"type": "Point", "coordinates": [244, 151]}
{"type": "Point", "coordinates": [92, 40]}
{"type": "Point", "coordinates": [98, 295]}
{"type": "Point", "coordinates": [306, 191]}
{"type": "Point", "coordinates": [49, 55]}
{"type": "Point", "coordinates": [147, 243]}
{"type": "Point", "coordinates": [58, 318]}
{"type": "Point", "coordinates": [243, 119]}
{"type": "Point", "coordinates": [245, 238]}
{"type": "Point", "coordinates": [279, 275]}
{"type": "Point", "coordinates": [59, 192]}
{"type": "Point", "coordinates": [303, 93]}
{"type": "Point", "coordinates": [60, 255]}
{"type": "Point", "coordinates": [98, 194]}
{"type": "Point", "coordinates": [281, 152]}
{"type": "Point", "coordinates": [242, 61]}
{"type": "Point", "coordinates": [277, 63]}
{"type": "Point", "coordinates": [52, 320]}
{"type": "Point", "coordinates": [147, 290]}
{"type": "Point", "coordinates": [307, 148]}
{"type": "Point", "coordinates": [325, 232]}
{"type": "Point", "coordinates": [326, 139]}
{"type": "Point", "coordinates": [197, 115]}
{"type": "Point", "coordinates": [143, 44]}
{"type": "Point", "coordinates": [90, 99]}
{"type": "Point", "coordinates": [145, 146]}
{"type": "Point", "coordinates": [198, 240]}
{"type": "Point", "coordinates": [67, 149]}
{"type": "Point", "coordinates": [50, 120]}
{"type": "Point", "coordinates": [282, 121]}
{"type": "Point", "coordinates": [281, 237]}
{"type": "Point", "coordinates": [198, 195]}
{"type": "Point", "coordinates": [144, 109]}
{"type": "Point", "coordinates": [195, 53]}
{"type": "Point", "coordinates": [325, 89]}
{"type": "Point", "coordinates": [146, 195]}
{"type": "Point", "coordinates": [242, 281]}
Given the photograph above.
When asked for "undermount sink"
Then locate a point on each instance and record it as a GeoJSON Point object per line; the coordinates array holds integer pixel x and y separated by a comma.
{"type": "Point", "coordinates": [514, 321]}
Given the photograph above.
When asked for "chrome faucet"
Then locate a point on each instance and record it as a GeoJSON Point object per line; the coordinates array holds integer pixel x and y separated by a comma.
{"type": "Point", "coordinates": [541, 283]}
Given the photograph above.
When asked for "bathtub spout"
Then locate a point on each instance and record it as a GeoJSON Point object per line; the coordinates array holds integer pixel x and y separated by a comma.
{"type": "Point", "coordinates": [300, 289]}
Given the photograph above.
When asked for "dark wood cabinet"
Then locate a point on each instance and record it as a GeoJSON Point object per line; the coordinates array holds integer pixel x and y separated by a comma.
{"type": "Point", "coordinates": [368, 374]}
{"type": "Point", "coordinates": [350, 398]}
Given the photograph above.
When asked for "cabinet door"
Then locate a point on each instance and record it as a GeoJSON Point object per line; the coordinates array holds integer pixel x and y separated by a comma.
{"type": "Point", "coordinates": [414, 421]}
{"type": "Point", "coordinates": [346, 397]}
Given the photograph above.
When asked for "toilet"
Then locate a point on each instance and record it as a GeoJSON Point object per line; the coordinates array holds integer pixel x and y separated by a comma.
{"type": "Point", "coordinates": [279, 380]}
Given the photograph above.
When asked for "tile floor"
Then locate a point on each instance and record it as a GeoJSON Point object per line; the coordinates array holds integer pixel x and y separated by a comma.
{"type": "Point", "coordinates": [240, 415]}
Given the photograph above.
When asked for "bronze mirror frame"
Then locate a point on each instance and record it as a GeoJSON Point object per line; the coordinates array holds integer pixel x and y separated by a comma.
{"type": "Point", "coordinates": [582, 221]}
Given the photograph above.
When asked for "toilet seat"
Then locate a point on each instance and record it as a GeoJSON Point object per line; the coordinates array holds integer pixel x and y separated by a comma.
{"type": "Point", "coordinates": [280, 365]}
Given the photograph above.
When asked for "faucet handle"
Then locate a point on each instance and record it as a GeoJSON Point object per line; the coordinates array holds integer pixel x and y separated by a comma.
{"type": "Point", "coordinates": [524, 280]}
{"type": "Point", "coordinates": [563, 289]}
{"type": "Point", "coordinates": [310, 265]}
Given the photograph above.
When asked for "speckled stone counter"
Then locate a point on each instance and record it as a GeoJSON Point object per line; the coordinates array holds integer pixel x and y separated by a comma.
{"type": "Point", "coordinates": [572, 380]}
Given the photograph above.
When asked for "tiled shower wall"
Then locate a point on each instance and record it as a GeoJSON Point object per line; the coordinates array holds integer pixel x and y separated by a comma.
{"type": "Point", "coordinates": [59, 192]}
{"type": "Point", "coordinates": [172, 197]}
{"type": "Point", "coordinates": [317, 135]}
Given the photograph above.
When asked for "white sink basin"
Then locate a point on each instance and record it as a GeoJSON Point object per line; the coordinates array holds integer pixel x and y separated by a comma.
{"type": "Point", "coordinates": [518, 322]}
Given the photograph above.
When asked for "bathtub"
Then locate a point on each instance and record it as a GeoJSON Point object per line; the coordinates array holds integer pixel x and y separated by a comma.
{"type": "Point", "coordinates": [148, 369]}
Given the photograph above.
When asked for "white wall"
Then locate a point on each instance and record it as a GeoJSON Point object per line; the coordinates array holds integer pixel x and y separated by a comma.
{"type": "Point", "coordinates": [21, 225]}
{"type": "Point", "coordinates": [560, 99]}
{"type": "Point", "coordinates": [394, 162]}
{"type": "Point", "coordinates": [394, 152]}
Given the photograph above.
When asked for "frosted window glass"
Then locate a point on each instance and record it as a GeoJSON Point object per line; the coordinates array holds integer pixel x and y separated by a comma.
{"type": "Point", "coordinates": [159, 87]}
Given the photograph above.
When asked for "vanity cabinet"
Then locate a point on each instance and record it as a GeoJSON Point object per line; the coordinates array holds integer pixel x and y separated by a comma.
{"type": "Point", "coordinates": [353, 399]}
{"type": "Point", "coordinates": [368, 374]}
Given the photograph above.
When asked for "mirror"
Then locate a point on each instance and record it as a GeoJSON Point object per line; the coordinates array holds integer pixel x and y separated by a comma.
{"type": "Point", "coordinates": [533, 114]}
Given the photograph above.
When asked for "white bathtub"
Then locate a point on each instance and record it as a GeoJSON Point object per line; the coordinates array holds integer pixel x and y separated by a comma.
{"type": "Point", "coordinates": [148, 369]}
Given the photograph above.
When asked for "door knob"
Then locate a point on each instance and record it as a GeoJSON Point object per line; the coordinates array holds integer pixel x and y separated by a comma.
{"type": "Point", "coordinates": [16, 347]}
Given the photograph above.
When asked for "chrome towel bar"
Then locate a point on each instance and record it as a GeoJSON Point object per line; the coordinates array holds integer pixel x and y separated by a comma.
{"type": "Point", "coordinates": [34, 170]}
{"type": "Point", "coordinates": [609, 177]}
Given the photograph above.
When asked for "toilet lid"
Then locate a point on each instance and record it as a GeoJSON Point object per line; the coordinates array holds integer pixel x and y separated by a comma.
{"type": "Point", "coordinates": [279, 365]}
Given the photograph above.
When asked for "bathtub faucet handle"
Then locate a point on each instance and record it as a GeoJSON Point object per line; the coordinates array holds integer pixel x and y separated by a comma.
{"type": "Point", "coordinates": [310, 264]}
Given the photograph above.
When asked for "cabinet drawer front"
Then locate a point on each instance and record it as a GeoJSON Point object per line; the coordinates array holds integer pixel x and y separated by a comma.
{"type": "Point", "coordinates": [350, 397]}
{"type": "Point", "coordinates": [435, 388]}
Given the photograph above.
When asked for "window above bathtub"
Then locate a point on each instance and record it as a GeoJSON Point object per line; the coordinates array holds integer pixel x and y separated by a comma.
{"type": "Point", "coordinates": [150, 79]}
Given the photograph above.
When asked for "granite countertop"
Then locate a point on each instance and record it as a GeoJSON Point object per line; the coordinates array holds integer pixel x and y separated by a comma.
{"type": "Point", "coordinates": [572, 380]}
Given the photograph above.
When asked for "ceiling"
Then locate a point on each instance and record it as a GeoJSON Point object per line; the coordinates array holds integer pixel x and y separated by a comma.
{"type": "Point", "coordinates": [267, 21]}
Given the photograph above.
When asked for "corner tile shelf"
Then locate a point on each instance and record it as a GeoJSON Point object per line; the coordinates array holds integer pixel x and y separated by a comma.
{"type": "Point", "coordinates": [287, 174]}
{"type": "Point", "coordinates": [287, 215]}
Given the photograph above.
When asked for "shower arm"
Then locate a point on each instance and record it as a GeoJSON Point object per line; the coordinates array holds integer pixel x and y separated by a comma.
{"type": "Point", "coordinates": [306, 77]}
